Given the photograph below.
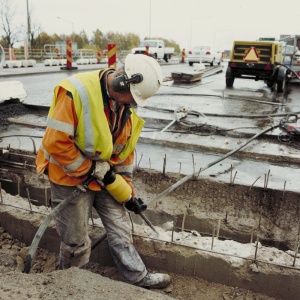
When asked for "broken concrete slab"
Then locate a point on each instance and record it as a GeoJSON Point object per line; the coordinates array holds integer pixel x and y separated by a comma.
{"type": "Point", "coordinates": [12, 90]}
{"type": "Point", "coordinates": [186, 77]}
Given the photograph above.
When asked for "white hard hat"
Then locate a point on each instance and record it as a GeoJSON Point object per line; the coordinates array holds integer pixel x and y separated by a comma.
{"type": "Point", "coordinates": [151, 73]}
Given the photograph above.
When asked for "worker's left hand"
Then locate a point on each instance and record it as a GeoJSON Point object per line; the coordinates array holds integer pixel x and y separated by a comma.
{"type": "Point", "coordinates": [101, 168]}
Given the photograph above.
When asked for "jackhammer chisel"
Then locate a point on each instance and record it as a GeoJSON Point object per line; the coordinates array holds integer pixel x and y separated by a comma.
{"type": "Point", "coordinates": [138, 206]}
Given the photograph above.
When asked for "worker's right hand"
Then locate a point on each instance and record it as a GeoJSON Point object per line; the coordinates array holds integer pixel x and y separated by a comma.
{"type": "Point", "coordinates": [101, 168]}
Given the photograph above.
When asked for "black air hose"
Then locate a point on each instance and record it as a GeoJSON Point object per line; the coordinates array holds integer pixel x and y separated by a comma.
{"type": "Point", "coordinates": [188, 177]}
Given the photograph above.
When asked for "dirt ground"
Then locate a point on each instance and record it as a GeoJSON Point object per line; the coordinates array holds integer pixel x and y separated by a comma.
{"type": "Point", "coordinates": [233, 205]}
{"type": "Point", "coordinates": [93, 282]}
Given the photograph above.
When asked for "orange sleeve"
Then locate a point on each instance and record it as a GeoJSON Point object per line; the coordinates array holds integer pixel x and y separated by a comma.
{"type": "Point", "coordinates": [60, 143]}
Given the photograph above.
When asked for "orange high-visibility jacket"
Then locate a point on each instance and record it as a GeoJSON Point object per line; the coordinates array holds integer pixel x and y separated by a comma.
{"type": "Point", "coordinates": [78, 132]}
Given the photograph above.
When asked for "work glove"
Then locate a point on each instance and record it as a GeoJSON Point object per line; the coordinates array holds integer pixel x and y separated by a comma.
{"type": "Point", "coordinates": [101, 168]}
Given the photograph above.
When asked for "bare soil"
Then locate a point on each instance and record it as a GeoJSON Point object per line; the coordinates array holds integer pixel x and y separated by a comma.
{"type": "Point", "coordinates": [195, 205]}
{"type": "Point", "coordinates": [96, 281]}
{"type": "Point", "coordinates": [93, 282]}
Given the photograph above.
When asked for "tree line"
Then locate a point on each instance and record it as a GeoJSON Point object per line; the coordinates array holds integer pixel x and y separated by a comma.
{"type": "Point", "coordinates": [11, 30]}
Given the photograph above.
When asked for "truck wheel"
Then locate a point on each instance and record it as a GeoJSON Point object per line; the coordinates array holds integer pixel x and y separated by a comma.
{"type": "Point", "coordinates": [281, 80]}
{"type": "Point", "coordinates": [229, 82]}
{"type": "Point", "coordinates": [166, 58]}
{"type": "Point", "coordinates": [229, 78]}
{"type": "Point", "coordinates": [281, 85]}
{"type": "Point", "coordinates": [190, 63]}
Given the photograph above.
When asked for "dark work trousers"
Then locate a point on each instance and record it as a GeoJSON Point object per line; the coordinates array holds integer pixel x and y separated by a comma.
{"type": "Point", "coordinates": [72, 227]}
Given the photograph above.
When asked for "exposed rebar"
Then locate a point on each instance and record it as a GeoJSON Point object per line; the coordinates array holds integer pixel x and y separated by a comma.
{"type": "Point", "coordinates": [140, 160]}
{"type": "Point", "coordinates": [256, 247]}
{"type": "Point", "coordinates": [218, 229]}
{"type": "Point", "coordinates": [297, 245]}
{"type": "Point", "coordinates": [164, 164]}
{"type": "Point", "coordinates": [1, 193]}
{"type": "Point", "coordinates": [283, 194]}
{"type": "Point", "coordinates": [183, 220]}
{"type": "Point", "coordinates": [213, 237]}
{"type": "Point", "coordinates": [28, 198]}
{"type": "Point", "coordinates": [253, 183]}
{"type": "Point", "coordinates": [173, 229]}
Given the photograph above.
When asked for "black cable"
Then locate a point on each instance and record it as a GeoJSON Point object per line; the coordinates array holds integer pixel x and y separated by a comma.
{"type": "Point", "coordinates": [192, 95]}
{"type": "Point", "coordinates": [188, 177]}
{"type": "Point", "coordinates": [226, 116]}
{"type": "Point", "coordinates": [290, 70]}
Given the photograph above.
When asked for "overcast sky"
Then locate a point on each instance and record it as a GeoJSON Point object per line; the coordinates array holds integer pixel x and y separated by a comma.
{"type": "Point", "coordinates": [188, 22]}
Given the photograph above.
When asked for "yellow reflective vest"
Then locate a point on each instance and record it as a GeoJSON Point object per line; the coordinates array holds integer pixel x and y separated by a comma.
{"type": "Point", "coordinates": [79, 132]}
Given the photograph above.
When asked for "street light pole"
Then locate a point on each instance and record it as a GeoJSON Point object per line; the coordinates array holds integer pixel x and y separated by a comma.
{"type": "Point", "coordinates": [150, 21]}
{"type": "Point", "coordinates": [28, 26]}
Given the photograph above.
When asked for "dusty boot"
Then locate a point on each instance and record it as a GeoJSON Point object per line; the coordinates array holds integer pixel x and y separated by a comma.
{"type": "Point", "coordinates": [155, 281]}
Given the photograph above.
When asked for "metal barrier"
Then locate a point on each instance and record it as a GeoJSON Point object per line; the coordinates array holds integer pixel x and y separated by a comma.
{"type": "Point", "coordinates": [2, 56]}
{"type": "Point", "coordinates": [86, 56]}
{"type": "Point", "coordinates": [49, 56]}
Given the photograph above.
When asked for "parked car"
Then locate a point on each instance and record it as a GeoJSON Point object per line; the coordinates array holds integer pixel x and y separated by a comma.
{"type": "Point", "coordinates": [207, 54]}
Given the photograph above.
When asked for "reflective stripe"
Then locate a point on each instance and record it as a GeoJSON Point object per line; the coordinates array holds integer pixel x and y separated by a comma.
{"type": "Point", "coordinates": [60, 126]}
{"type": "Point", "coordinates": [124, 169]}
{"type": "Point", "coordinates": [74, 165]}
{"type": "Point", "coordinates": [88, 132]}
{"type": "Point", "coordinates": [71, 167]}
{"type": "Point", "coordinates": [48, 157]}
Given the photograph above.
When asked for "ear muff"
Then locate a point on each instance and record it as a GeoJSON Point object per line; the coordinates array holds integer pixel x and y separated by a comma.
{"type": "Point", "coordinates": [121, 83]}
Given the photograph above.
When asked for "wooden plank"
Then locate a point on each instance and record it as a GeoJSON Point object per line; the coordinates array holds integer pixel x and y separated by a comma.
{"type": "Point", "coordinates": [186, 77]}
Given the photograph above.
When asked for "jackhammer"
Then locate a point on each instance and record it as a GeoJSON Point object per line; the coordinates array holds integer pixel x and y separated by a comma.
{"type": "Point", "coordinates": [121, 191]}
{"type": "Point", "coordinates": [116, 186]}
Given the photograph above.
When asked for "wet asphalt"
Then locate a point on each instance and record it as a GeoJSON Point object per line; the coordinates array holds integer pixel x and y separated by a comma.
{"type": "Point", "coordinates": [241, 112]}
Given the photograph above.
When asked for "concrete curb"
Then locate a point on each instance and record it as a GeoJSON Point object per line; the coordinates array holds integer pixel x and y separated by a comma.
{"type": "Point", "coordinates": [19, 63]}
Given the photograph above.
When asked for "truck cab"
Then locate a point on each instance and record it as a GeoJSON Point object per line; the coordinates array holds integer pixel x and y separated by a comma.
{"type": "Point", "coordinates": [156, 49]}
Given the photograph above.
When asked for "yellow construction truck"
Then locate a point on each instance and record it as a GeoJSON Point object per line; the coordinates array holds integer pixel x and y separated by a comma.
{"type": "Point", "coordinates": [258, 60]}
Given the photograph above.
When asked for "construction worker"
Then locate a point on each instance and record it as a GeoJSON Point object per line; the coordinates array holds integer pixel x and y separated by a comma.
{"type": "Point", "coordinates": [92, 127]}
{"type": "Point", "coordinates": [182, 55]}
